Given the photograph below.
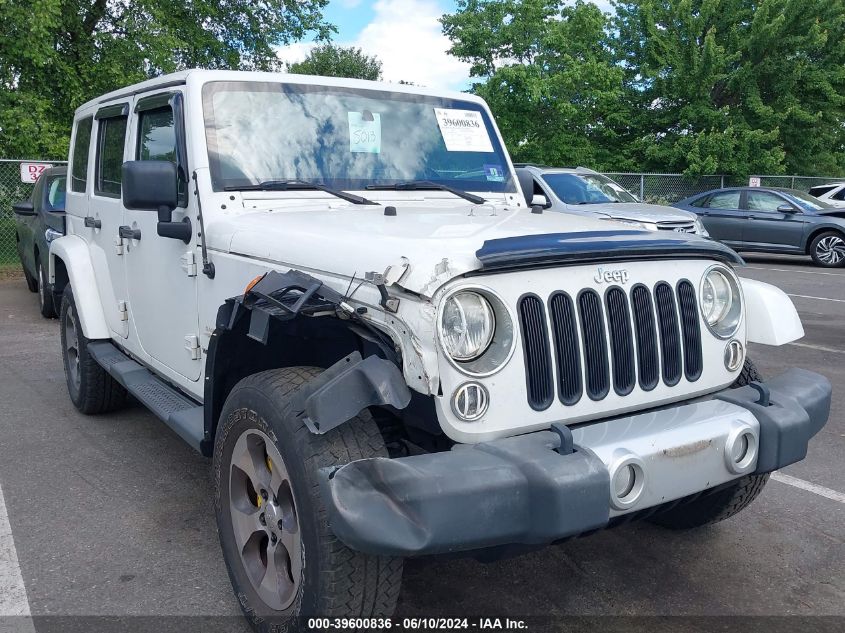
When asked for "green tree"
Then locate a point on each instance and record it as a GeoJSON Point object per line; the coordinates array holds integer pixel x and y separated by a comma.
{"type": "Point", "coordinates": [329, 60]}
{"type": "Point", "coordinates": [548, 73]}
{"type": "Point", "coordinates": [735, 86]}
{"type": "Point", "coordinates": [56, 54]}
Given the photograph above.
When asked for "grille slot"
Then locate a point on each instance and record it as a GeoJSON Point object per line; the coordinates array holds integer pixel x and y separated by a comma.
{"type": "Point", "coordinates": [693, 360]}
{"type": "Point", "coordinates": [647, 350]}
{"type": "Point", "coordinates": [535, 344]}
{"type": "Point", "coordinates": [595, 345]}
{"type": "Point", "coordinates": [670, 336]}
{"type": "Point", "coordinates": [621, 341]}
{"type": "Point", "coordinates": [567, 348]}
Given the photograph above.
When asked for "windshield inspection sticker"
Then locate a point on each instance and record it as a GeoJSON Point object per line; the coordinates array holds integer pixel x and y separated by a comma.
{"type": "Point", "coordinates": [463, 130]}
{"type": "Point", "coordinates": [364, 132]}
{"type": "Point", "coordinates": [494, 173]}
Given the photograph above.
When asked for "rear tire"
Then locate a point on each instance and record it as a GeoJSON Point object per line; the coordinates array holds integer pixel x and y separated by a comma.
{"type": "Point", "coordinates": [828, 249]}
{"type": "Point", "coordinates": [321, 576]}
{"type": "Point", "coordinates": [45, 297]}
{"type": "Point", "coordinates": [92, 390]}
{"type": "Point", "coordinates": [721, 503]}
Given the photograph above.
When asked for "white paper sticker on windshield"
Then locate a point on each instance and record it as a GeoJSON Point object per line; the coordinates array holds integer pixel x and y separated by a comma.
{"type": "Point", "coordinates": [365, 132]}
{"type": "Point", "coordinates": [463, 130]}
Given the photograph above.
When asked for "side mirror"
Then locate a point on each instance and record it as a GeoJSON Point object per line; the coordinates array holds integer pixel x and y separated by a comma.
{"type": "Point", "coordinates": [23, 208]}
{"type": "Point", "coordinates": [539, 200]}
{"type": "Point", "coordinates": [153, 185]}
{"type": "Point", "coordinates": [787, 208]}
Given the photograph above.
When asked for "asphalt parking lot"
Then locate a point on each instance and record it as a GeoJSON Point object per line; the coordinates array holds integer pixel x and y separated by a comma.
{"type": "Point", "coordinates": [111, 515]}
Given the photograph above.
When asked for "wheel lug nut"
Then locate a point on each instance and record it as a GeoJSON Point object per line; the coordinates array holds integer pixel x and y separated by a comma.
{"type": "Point", "coordinates": [264, 495]}
{"type": "Point", "coordinates": [261, 519]}
{"type": "Point", "coordinates": [273, 539]}
{"type": "Point", "coordinates": [281, 525]}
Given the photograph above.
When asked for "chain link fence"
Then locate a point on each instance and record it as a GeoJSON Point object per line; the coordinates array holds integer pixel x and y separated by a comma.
{"type": "Point", "coordinates": [654, 188]}
{"type": "Point", "coordinates": [13, 189]}
{"type": "Point", "coordinates": [670, 188]}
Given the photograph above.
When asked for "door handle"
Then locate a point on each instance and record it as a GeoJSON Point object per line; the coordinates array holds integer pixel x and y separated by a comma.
{"type": "Point", "coordinates": [129, 233]}
{"type": "Point", "coordinates": [92, 222]}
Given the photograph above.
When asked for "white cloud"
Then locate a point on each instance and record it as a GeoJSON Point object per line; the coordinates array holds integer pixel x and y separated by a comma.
{"type": "Point", "coordinates": [405, 35]}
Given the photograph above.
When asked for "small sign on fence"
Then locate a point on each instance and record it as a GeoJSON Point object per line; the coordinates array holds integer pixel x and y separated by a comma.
{"type": "Point", "coordinates": [754, 181]}
{"type": "Point", "coordinates": [31, 171]}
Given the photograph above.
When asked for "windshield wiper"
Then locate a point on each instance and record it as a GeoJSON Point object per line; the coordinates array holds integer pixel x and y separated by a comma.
{"type": "Point", "coordinates": [421, 185]}
{"type": "Point", "coordinates": [300, 185]}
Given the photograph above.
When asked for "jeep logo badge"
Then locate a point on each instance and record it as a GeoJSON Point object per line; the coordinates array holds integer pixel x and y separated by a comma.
{"type": "Point", "coordinates": [619, 276]}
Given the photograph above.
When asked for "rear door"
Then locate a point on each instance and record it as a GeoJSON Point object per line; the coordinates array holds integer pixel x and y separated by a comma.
{"type": "Point", "coordinates": [105, 213]}
{"type": "Point", "coordinates": [723, 216]}
{"type": "Point", "coordinates": [767, 227]}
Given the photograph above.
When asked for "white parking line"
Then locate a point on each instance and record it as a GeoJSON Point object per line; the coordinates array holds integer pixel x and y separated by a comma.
{"type": "Point", "coordinates": [806, 485]}
{"type": "Point", "coordinates": [788, 270]}
{"type": "Point", "coordinates": [816, 298]}
{"type": "Point", "coordinates": [820, 348]}
{"type": "Point", "coordinates": [12, 590]}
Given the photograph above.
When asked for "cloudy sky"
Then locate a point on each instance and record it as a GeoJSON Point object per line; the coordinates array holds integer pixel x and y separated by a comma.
{"type": "Point", "coordinates": [404, 34]}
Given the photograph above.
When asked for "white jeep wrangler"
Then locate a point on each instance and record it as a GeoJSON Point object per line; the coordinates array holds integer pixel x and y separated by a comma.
{"type": "Point", "coordinates": [337, 290]}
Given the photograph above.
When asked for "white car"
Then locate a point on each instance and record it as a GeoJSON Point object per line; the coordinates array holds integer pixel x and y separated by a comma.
{"type": "Point", "coordinates": [335, 290]}
{"type": "Point", "coordinates": [832, 193]}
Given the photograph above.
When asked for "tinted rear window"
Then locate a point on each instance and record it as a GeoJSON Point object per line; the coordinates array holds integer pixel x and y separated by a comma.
{"type": "Point", "coordinates": [81, 145]}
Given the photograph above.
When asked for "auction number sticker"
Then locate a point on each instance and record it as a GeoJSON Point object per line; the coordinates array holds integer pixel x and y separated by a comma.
{"type": "Point", "coordinates": [364, 132]}
{"type": "Point", "coordinates": [463, 130]}
{"type": "Point", "coordinates": [31, 171]}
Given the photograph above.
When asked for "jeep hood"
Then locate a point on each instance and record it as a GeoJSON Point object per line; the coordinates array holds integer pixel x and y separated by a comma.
{"type": "Point", "coordinates": [436, 243]}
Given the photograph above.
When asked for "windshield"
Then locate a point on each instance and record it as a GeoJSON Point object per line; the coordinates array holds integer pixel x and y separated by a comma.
{"type": "Point", "coordinates": [805, 200]}
{"type": "Point", "coordinates": [348, 138]}
{"type": "Point", "coordinates": [587, 189]}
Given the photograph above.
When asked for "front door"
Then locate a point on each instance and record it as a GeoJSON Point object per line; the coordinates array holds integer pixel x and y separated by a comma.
{"type": "Point", "coordinates": [160, 271]}
{"type": "Point", "coordinates": [767, 227]}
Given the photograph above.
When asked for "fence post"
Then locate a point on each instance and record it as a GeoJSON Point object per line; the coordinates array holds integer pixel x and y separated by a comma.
{"type": "Point", "coordinates": [722, 182]}
{"type": "Point", "coordinates": [793, 183]}
{"type": "Point", "coordinates": [642, 187]}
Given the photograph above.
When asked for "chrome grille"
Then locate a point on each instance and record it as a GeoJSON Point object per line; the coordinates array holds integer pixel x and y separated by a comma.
{"type": "Point", "coordinates": [621, 339]}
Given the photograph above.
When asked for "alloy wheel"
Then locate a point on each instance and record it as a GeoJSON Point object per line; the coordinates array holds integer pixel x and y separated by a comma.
{"type": "Point", "coordinates": [831, 250]}
{"type": "Point", "coordinates": [72, 347]}
{"type": "Point", "coordinates": [264, 519]}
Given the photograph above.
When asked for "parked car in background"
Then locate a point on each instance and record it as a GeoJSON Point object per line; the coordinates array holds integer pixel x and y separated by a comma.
{"type": "Point", "coordinates": [38, 221]}
{"type": "Point", "coordinates": [772, 220]}
{"type": "Point", "coordinates": [587, 192]}
{"type": "Point", "coordinates": [833, 193]}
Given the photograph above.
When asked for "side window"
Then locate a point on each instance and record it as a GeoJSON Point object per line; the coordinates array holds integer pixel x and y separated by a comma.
{"type": "Point", "coordinates": [839, 195]}
{"type": "Point", "coordinates": [81, 145]}
{"type": "Point", "coordinates": [724, 200]}
{"type": "Point", "coordinates": [111, 136]}
{"type": "Point", "coordinates": [156, 135]}
{"type": "Point", "coordinates": [56, 194]}
{"type": "Point", "coordinates": [699, 202]}
{"type": "Point", "coordinates": [764, 201]}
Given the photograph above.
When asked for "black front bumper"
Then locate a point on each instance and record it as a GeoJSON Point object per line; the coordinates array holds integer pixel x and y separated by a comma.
{"type": "Point", "coordinates": [519, 490]}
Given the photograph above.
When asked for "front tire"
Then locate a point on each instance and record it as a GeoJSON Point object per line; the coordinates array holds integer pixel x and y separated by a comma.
{"type": "Point", "coordinates": [722, 503]}
{"type": "Point", "coordinates": [91, 388]}
{"type": "Point", "coordinates": [31, 282]}
{"type": "Point", "coordinates": [45, 297]}
{"type": "Point", "coordinates": [828, 249]}
{"type": "Point", "coordinates": [283, 560]}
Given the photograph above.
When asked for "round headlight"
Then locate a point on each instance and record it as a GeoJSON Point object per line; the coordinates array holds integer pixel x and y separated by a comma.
{"type": "Point", "coordinates": [468, 324]}
{"type": "Point", "coordinates": [721, 302]}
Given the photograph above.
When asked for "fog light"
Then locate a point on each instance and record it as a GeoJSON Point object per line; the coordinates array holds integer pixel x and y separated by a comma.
{"type": "Point", "coordinates": [627, 480]}
{"type": "Point", "coordinates": [733, 355]}
{"type": "Point", "coordinates": [741, 448]}
{"type": "Point", "coordinates": [470, 401]}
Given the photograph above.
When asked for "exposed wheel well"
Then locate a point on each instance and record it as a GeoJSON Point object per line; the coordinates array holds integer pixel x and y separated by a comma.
{"type": "Point", "coordinates": [61, 275]}
{"type": "Point", "coordinates": [304, 341]}
{"type": "Point", "coordinates": [817, 232]}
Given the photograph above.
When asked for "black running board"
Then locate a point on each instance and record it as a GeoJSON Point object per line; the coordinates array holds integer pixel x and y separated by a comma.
{"type": "Point", "coordinates": [180, 413]}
